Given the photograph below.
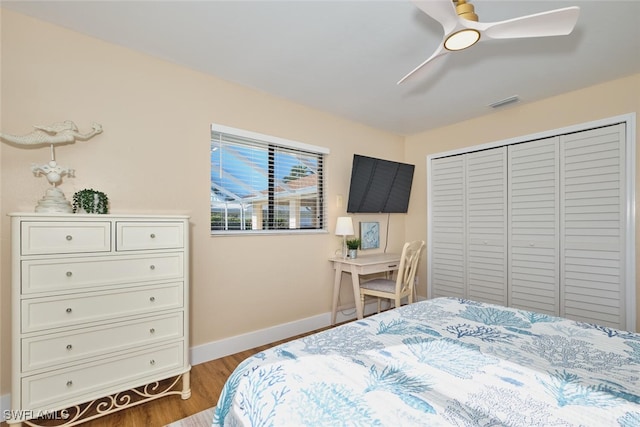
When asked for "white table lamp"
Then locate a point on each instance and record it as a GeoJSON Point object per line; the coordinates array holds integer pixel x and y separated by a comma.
{"type": "Point", "coordinates": [344, 228]}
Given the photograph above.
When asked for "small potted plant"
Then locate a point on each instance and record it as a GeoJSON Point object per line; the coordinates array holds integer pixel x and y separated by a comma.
{"type": "Point", "coordinates": [90, 201]}
{"type": "Point", "coordinates": [353, 245]}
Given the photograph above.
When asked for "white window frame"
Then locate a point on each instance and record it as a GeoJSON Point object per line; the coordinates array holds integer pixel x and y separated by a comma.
{"type": "Point", "coordinates": [267, 140]}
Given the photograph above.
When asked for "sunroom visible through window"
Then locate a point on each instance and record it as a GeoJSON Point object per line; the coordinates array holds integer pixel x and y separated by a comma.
{"type": "Point", "coordinates": [265, 184]}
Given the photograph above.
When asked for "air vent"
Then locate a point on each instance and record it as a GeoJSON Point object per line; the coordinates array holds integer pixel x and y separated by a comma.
{"type": "Point", "coordinates": [502, 102]}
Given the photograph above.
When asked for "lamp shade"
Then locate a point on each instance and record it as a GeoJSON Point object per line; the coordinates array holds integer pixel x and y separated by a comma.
{"type": "Point", "coordinates": [344, 226]}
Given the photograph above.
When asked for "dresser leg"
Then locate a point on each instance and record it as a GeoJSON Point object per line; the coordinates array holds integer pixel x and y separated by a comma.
{"type": "Point", "coordinates": [186, 385]}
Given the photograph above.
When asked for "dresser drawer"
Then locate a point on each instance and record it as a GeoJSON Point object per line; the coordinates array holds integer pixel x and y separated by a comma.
{"type": "Point", "coordinates": [86, 382]}
{"type": "Point", "coordinates": [78, 309]}
{"type": "Point", "coordinates": [76, 273]}
{"type": "Point", "coordinates": [55, 349]}
{"type": "Point", "coordinates": [134, 236]}
{"type": "Point", "coordinates": [39, 238]}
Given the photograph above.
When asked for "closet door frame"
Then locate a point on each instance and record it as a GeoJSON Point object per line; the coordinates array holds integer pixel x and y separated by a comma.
{"type": "Point", "coordinates": [630, 185]}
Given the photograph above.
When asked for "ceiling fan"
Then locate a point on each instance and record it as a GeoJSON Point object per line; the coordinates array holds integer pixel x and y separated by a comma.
{"type": "Point", "coordinates": [462, 29]}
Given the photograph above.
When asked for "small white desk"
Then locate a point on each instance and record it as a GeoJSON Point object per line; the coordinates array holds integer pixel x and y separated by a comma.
{"type": "Point", "coordinates": [363, 264]}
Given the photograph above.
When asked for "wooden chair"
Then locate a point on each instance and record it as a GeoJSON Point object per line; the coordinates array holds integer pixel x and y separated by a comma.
{"type": "Point", "coordinates": [402, 286]}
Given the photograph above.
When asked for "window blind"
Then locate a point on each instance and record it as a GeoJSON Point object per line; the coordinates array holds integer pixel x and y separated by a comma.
{"type": "Point", "coordinates": [264, 184]}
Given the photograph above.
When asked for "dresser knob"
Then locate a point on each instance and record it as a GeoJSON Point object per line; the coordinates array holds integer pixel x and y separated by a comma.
{"type": "Point", "coordinates": [69, 346]}
{"type": "Point", "coordinates": [69, 237]}
{"type": "Point", "coordinates": [69, 310]}
{"type": "Point", "coordinates": [152, 299]}
{"type": "Point", "coordinates": [69, 274]}
{"type": "Point", "coordinates": [69, 383]}
{"type": "Point", "coordinates": [152, 330]}
{"type": "Point", "coordinates": [152, 362]}
{"type": "Point", "coordinates": [153, 236]}
{"type": "Point", "coordinates": [153, 267]}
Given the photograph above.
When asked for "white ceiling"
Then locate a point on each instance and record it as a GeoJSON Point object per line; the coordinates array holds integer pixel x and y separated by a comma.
{"type": "Point", "coordinates": [345, 57]}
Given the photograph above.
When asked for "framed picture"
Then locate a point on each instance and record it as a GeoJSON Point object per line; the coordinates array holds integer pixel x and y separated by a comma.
{"type": "Point", "coordinates": [369, 235]}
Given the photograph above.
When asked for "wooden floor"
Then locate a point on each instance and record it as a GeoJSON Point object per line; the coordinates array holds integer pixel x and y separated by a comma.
{"type": "Point", "coordinates": [207, 380]}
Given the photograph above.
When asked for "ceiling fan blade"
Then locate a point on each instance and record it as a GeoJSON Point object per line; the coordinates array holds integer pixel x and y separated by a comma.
{"type": "Point", "coordinates": [442, 11]}
{"type": "Point", "coordinates": [558, 22]}
{"type": "Point", "coordinates": [441, 51]}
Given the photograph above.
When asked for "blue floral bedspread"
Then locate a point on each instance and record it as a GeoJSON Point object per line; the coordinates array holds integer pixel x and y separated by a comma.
{"type": "Point", "coordinates": [442, 362]}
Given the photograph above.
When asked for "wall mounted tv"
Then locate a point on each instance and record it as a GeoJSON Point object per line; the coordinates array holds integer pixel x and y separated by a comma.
{"type": "Point", "coordinates": [379, 186]}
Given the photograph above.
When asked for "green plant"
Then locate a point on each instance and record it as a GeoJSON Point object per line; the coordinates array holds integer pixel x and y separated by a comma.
{"type": "Point", "coordinates": [353, 243]}
{"type": "Point", "coordinates": [91, 201]}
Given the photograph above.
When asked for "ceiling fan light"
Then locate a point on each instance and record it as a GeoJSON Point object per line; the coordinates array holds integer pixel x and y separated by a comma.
{"type": "Point", "coordinates": [462, 39]}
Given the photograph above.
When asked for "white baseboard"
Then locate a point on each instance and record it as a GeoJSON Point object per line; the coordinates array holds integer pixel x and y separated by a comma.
{"type": "Point", "coordinates": [5, 406]}
{"type": "Point", "coordinates": [225, 347]}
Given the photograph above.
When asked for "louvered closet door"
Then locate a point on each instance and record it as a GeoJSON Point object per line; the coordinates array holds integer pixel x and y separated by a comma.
{"type": "Point", "coordinates": [592, 226]}
{"type": "Point", "coordinates": [447, 275]}
{"type": "Point", "coordinates": [486, 214]}
{"type": "Point", "coordinates": [534, 274]}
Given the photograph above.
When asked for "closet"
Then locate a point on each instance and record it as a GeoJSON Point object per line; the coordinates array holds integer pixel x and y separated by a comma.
{"type": "Point", "coordinates": [539, 225]}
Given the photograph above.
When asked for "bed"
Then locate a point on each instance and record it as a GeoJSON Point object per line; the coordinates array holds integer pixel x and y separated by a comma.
{"type": "Point", "coordinates": [442, 362]}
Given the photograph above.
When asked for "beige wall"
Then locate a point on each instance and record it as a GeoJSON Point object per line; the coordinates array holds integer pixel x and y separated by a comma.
{"type": "Point", "coordinates": [153, 157]}
{"type": "Point", "coordinates": [4, 318]}
{"type": "Point", "coordinates": [594, 103]}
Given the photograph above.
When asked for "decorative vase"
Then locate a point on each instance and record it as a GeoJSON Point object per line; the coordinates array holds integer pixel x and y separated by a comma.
{"type": "Point", "coordinates": [353, 253]}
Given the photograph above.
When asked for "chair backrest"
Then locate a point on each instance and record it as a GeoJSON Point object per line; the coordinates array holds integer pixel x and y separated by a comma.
{"type": "Point", "coordinates": [408, 266]}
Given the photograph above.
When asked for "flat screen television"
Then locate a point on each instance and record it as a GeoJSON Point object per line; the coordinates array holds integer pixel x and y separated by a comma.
{"type": "Point", "coordinates": [379, 186]}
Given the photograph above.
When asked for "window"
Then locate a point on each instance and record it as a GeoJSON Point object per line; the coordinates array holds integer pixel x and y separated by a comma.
{"type": "Point", "coordinates": [264, 184]}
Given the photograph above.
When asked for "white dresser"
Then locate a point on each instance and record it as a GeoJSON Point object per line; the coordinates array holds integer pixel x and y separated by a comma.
{"type": "Point", "coordinates": [99, 308]}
